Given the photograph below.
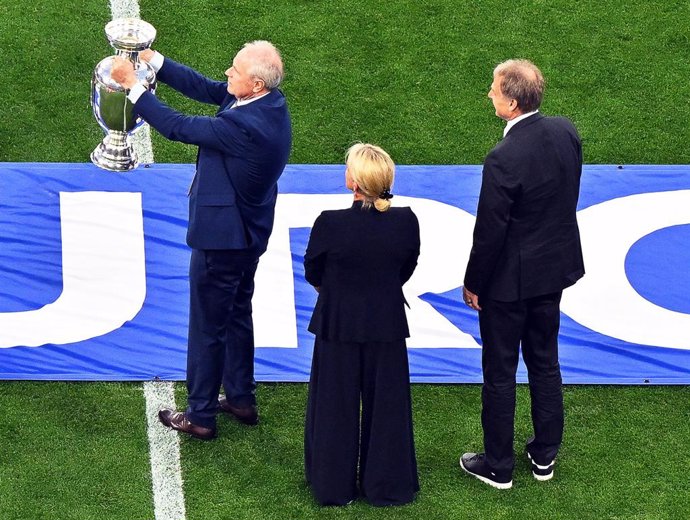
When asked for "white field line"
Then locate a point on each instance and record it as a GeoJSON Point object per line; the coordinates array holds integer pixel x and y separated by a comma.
{"type": "Point", "coordinates": [164, 452]}
{"type": "Point", "coordinates": [141, 139]}
{"type": "Point", "coordinates": [124, 8]}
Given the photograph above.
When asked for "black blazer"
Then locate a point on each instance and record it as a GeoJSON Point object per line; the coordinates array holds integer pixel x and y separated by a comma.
{"type": "Point", "coordinates": [526, 238]}
{"type": "Point", "coordinates": [242, 153]}
{"type": "Point", "coordinates": [360, 259]}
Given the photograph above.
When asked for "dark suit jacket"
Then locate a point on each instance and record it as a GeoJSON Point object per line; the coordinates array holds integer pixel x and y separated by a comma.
{"type": "Point", "coordinates": [242, 153]}
{"type": "Point", "coordinates": [526, 238]}
{"type": "Point", "coordinates": [360, 259]}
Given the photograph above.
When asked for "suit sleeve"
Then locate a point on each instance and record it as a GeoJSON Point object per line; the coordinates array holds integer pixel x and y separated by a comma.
{"type": "Point", "coordinates": [411, 263]}
{"type": "Point", "coordinates": [496, 198]}
{"type": "Point", "coordinates": [219, 132]}
{"type": "Point", "coordinates": [189, 82]}
{"type": "Point", "coordinates": [317, 251]}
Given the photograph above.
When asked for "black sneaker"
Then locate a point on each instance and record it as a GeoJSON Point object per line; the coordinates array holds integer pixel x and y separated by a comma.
{"type": "Point", "coordinates": [475, 465]}
{"type": "Point", "coordinates": [541, 472]}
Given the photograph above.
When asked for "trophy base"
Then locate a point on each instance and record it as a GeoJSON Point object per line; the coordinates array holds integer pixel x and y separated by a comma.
{"type": "Point", "coordinates": [115, 154]}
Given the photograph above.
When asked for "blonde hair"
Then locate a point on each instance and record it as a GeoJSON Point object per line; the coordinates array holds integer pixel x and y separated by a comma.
{"type": "Point", "coordinates": [373, 170]}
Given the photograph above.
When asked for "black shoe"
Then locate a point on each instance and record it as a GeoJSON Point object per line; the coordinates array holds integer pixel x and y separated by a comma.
{"type": "Point", "coordinates": [475, 465]}
{"type": "Point", "coordinates": [541, 472]}
{"type": "Point", "coordinates": [246, 415]}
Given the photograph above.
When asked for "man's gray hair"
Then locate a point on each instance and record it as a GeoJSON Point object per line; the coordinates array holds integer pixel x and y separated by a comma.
{"type": "Point", "coordinates": [522, 81]}
{"type": "Point", "coordinates": [266, 63]}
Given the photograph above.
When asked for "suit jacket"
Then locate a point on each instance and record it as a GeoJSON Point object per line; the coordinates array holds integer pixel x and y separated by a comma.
{"type": "Point", "coordinates": [360, 259]}
{"type": "Point", "coordinates": [242, 153]}
{"type": "Point", "coordinates": [526, 239]}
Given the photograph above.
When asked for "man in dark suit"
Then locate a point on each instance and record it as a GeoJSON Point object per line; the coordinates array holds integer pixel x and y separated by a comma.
{"type": "Point", "coordinates": [243, 150]}
{"type": "Point", "coordinates": [526, 250]}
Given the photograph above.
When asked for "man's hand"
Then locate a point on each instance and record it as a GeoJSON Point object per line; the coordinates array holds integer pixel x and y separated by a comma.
{"type": "Point", "coordinates": [471, 299]}
{"type": "Point", "coordinates": [146, 55]}
{"type": "Point", "coordinates": [123, 72]}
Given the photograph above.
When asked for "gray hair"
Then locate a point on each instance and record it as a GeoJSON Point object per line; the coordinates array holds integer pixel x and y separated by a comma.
{"type": "Point", "coordinates": [522, 81]}
{"type": "Point", "coordinates": [266, 63]}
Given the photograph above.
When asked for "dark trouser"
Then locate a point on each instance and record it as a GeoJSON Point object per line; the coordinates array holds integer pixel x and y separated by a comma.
{"type": "Point", "coordinates": [342, 376]}
{"type": "Point", "coordinates": [534, 323]}
{"type": "Point", "coordinates": [221, 333]}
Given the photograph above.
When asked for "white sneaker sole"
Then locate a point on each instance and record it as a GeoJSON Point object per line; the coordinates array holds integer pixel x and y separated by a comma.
{"type": "Point", "coordinates": [541, 478]}
{"type": "Point", "coordinates": [497, 485]}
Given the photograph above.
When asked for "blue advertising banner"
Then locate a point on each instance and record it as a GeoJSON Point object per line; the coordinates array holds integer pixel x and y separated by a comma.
{"type": "Point", "coordinates": [93, 274]}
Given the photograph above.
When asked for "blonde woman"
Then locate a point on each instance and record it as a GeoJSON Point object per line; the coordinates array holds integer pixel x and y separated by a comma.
{"type": "Point", "coordinates": [358, 432]}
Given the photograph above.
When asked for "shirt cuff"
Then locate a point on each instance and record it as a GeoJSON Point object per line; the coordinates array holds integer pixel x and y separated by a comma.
{"type": "Point", "coordinates": [136, 92]}
{"type": "Point", "coordinates": [157, 61]}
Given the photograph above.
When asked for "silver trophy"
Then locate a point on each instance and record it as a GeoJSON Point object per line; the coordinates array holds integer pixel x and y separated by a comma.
{"type": "Point", "coordinates": [113, 111]}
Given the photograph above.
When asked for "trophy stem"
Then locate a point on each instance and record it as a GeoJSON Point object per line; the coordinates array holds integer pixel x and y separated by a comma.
{"type": "Point", "coordinates": [115, 153]}
{"type": "Point", "coordinates": [132, 56]}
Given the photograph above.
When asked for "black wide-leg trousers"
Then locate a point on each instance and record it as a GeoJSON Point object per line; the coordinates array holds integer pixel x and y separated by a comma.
{"type": "Point", "coordinates": [346, 457]}
{"type": "Point", "coordinates": [532, 323]}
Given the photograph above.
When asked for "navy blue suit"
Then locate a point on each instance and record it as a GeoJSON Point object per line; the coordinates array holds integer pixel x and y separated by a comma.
{"type": "Point", "coordinates": [526, 250]}
{"type": "Point", "coordinates": [242, 153]}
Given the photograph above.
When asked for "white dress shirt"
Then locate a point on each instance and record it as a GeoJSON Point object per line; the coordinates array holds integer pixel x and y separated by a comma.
{"type": "Point", "coordinates": [519, 118]}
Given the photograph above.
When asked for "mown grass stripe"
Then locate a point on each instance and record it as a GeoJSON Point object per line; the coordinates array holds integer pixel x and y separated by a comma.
{"type": "Point", "coordinates": [164, 448]}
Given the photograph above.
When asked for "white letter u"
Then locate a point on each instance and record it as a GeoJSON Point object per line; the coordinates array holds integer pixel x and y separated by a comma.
{"type": "Point", "coordinates": [103, 270]}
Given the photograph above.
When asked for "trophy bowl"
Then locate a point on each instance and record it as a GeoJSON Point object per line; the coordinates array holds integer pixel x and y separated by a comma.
{"type": "Point", "coordinates": [130, 34]}
{"type": "Point", "coordinates": [111, 108]}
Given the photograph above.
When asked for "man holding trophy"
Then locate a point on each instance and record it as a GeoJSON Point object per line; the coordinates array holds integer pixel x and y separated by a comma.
{"type": "Point", "coordinates": [243, 150]}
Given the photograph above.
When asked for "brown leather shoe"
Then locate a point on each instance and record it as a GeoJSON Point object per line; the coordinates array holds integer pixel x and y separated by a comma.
{"type": "Point", "coordinates": [178, 421]}
{"type": "Point", "coordinates": [246, 415]}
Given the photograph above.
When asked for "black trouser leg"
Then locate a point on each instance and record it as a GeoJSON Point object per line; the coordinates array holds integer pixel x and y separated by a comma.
{"type": "Point", "coordinates": [540, 352]}
{"type": "Point", "coordinates": [331, 433]}
{"type": "Point", "coordinates": [388, 465]}
{"type": "Point", "coordinates": [501, 326]}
